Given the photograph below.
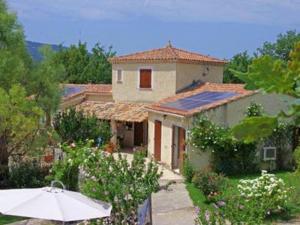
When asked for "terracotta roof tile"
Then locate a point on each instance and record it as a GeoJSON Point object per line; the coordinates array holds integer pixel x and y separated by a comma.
{"type": "Point", "coordinates": [216, 87]}
{"type": "Point", "coordinates": [86, 88]}
{"type": "Point", "coordinates": [166, 54]}
{"type": "Point", "coordinates": [129, 112]}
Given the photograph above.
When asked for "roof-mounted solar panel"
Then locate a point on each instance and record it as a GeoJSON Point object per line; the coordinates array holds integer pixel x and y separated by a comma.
{"type": "Point", "coordinates": [72, 90]}
{"type": "Point", "coordinates": [198, 100]}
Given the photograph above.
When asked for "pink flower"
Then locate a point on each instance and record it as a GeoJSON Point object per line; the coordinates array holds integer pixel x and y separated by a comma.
{"type": "Point", "coordinates": [207, 215]}
{"type": "Point", "coordinates": [73, 145]}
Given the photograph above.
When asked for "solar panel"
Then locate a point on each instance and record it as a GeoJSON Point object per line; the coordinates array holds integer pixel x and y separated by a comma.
{"type": "Point", "coordinates": [195, 101]}
{"type": "Point", "coordinates": [72, 90]}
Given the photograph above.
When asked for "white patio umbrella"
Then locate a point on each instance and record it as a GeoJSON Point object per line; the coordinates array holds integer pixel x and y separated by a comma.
{"type": "Point", "coordinates": [51, 203]}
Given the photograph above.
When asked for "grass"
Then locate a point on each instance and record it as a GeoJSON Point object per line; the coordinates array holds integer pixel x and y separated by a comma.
{"type": "Point", "coordinates": [290, 178]}
{"type": "Point", "coordinates": [9, 219]}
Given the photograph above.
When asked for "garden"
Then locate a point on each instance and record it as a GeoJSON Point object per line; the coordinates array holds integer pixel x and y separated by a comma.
{"type": "Point", "coordinates": [235, 189]}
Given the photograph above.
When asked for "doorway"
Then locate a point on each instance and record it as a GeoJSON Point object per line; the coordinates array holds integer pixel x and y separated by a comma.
{"type": "Point", "coordinates": [138, 134]}
{"type": "Point", "coordinates": [178, 147]}
{"type": "Point", "coordinates": [157, 140]}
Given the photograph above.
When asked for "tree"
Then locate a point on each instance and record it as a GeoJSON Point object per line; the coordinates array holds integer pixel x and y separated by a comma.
{"type": "Point", "coordinates": [45, 81]}
{"type": "Point", "coordinates": [272, 76]}
{"type": "Point", "coordinates": [239, 62]}
{"type": "Point", "coordinates": [84, 67]}
{"type": "Point", "coordinates": [282, 47]}
{"type": "Point", "coordinates": [19, 122]}
{"type": "Point", "coordinates": [14, 59]}
{"type": "Point", "coordinates": [109, 178]}
{"type": "Point", "coordinates": [73, 126]}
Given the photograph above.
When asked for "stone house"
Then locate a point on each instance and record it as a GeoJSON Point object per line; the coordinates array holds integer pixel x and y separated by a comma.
{"type": "Point", "coordinates": [155, 96]}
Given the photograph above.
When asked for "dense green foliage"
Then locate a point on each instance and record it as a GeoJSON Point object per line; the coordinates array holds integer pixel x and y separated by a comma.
{"type": "Point", "coordinates": [111, 178]}
{"type": "Point", "coordinates": [28, 91]}
{"type": "Point", "coordinates": [241, 209]}
{"type": "Point", "coordinates": [188, 170]}
{"type": "Point", "coordinates": [28, 175]}
{"type": "Point", "coordinates": [85, 67]}
{"type": "Point", "coordinates": [15, 61]}
{"type": "Point", "coordinates": [238, 62]}
{"type": "Point", "coordinates": [19, 124]}
{"type": "Point", "coordinates": [297, 159]}
{"type": "Point", "coordinates": [74, 126]}
{"type": "Point", "coordinates": [273, 76]}
{"type": "Point", "coordinates": [281, 48]}
{"type": "Point", "coordinates": [44, 83]}
{"type": "Point", "coordinates": [229, 156]}
{"type": "Point", "coordinates": [210, 183]}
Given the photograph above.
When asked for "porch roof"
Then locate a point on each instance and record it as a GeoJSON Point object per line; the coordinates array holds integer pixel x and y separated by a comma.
{"type": "Point", "coordinates": [123, 111]}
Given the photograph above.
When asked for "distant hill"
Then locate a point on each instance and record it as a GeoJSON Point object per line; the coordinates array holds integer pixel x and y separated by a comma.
{"type": "Point", "coordinates": [33, 49]}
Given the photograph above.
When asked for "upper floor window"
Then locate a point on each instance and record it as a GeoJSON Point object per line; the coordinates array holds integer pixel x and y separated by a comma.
{"type": "Point", "coordinates": [119, 76]}
{"type": "Point", "coordinates": [145, 78]}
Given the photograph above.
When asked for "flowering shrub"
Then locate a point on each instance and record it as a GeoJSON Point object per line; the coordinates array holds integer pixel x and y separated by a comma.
{"type": "Point", "coordinates": [210, 183]}
{"type": "Point", "coordinates": [254, 109]}
{"type": "Point", "coordinates": [209, 217]}
{"type": "Point", "coordinates": [239, 210]}
{"type": "Point", "coordinates": [270, 191]}
{"type": "Point", "coordinates": [110, 178]}
{"type": "Point", "coordinates": [235, 211]}
{"type": "Point", "coordinates": [229, 155]}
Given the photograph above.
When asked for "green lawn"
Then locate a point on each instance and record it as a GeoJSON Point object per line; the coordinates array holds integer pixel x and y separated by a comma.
{"type": "Point", "coordinates": [290, 179]}
{"type": "Point", "coordinates": [9, 219]}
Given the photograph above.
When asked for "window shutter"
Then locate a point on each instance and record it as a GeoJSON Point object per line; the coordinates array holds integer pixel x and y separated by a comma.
{"type": "Point", "coordinates": [145, 78]}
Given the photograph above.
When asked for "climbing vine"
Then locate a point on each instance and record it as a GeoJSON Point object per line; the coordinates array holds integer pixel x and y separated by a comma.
{"type": "Point", "coordinates": [229, 155]}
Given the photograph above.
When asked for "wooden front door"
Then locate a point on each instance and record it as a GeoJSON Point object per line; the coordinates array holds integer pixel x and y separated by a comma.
{"type": "Point", "coordinates": [178, 147]}
{"type": "Point", "coordinates": [157, 140]}
{"type": "Point", "coordinates": [138, 134]}
{"type": "Point", "coordinates": [181, 146]}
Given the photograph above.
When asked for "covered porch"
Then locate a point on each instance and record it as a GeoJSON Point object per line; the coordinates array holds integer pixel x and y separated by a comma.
{"type": "Point", "coordinates": [128, 122]}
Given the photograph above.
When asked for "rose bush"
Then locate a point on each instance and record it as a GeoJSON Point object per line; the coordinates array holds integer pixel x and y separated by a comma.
{"type": "Point", "coordinates": [210, 183]}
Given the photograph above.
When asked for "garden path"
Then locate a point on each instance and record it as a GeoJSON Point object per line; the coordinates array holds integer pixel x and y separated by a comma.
{"type": "Point", "coordinates": [173, 206]}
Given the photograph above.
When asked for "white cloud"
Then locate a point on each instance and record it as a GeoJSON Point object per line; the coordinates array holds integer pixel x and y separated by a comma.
{"type": "Point", "coordinates": [280, 12]}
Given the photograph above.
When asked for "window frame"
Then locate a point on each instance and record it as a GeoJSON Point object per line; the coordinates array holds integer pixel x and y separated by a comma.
{"type": "Point", "coordinates": [266, 158]}
{"type": "Point", "coordinates": [139, 79]}
{"type": "Point", "coordinates": [117, 77]}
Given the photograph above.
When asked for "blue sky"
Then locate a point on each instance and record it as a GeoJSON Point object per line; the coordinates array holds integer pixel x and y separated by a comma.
{"type": "Point", "coordinates": [220, 28]}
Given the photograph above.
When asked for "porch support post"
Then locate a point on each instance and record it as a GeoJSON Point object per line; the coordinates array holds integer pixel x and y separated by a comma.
{"type": "Point", "coordinates": [113, 127]}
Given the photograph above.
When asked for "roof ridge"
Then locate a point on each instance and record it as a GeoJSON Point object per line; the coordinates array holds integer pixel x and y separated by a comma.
{"type": "Point", "coordinates": [173, 51]}
{"type": "Point", "coordinates": [196, 53]}
{"type": "Point", "coordinates": [141, 52]}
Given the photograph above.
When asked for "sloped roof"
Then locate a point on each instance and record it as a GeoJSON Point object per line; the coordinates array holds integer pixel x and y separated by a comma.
{"type": "Point", "coordinates": [72, 90]}
{"type": "Point", "coordinates": [166, 54]}
{"type": "Point", "coordinates": [238, 89]}
{"type": "Point", "coordinates": [129, 112]}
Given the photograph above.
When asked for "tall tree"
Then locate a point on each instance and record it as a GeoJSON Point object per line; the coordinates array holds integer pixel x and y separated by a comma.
{"type": "Point", "coordinates": [239, 62]}
{"type": "Point", "coordinates": [19, 122]}
{"type": "Point", "coordinates": [85, 67]}
{"type": "Point", "coordinates": [45, 81]}
{"type": "Point", "coordinates": [14, 59]}
{"type": "Point", "coordinates": [282, 47]}
{"type": "Point", "coordinates": [272, 76]}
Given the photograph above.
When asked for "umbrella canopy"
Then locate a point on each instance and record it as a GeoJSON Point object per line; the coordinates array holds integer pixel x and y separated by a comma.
{"type": "Point", "coordinates": [51, 203]}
